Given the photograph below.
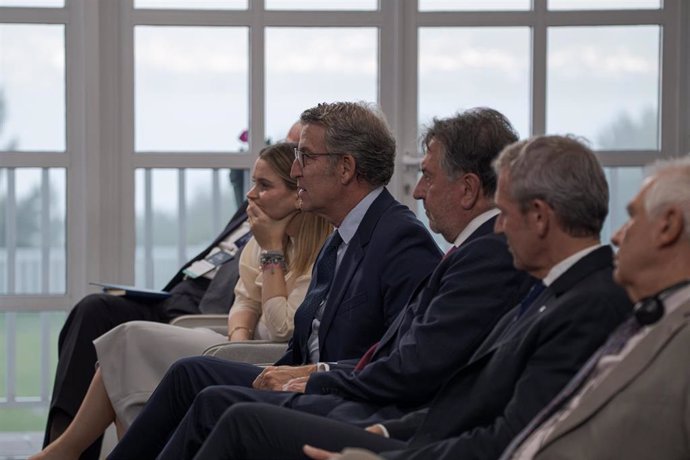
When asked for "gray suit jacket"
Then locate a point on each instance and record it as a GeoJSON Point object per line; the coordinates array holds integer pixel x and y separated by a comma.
{"type": "Point", "coordinates": [641, 410]}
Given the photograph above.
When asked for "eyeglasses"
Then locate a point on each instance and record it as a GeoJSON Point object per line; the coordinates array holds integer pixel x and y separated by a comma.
{"type": "Point", "coordinates": [300, 156]}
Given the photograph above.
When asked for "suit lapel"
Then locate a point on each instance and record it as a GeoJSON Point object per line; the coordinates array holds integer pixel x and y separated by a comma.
{"type": "Point", "coordinates": [593, 261]}
{"type": "Point", "coordinates": [620, 376]}
{"type": "Point", "coordinates": [393, 331]}
{"type": "Point", "coordinates": [351, 261]}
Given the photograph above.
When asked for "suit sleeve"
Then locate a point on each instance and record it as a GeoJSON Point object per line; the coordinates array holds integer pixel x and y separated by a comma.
{"type": "Point", "coordinates": [563, 348]}
{"type": "Point", "coordinates": [410, 257]}
{"type": "Point", "coordinates": [404, 428]}
{"type": "Point", "coordinates": [466, 296]}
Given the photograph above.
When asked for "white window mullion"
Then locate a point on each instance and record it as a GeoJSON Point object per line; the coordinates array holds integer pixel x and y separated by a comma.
{"type": "Point", "coordinates": [539, 70]}
{"type": "Point", "coordinates": [148, 227]}
{"type": "Point", "coordinates": [673, 56]}
{"type": "Point", "coordinates": [215, 199]}
{"type": "Point", "coordinates": [45, 231]}
{"type": "Point", "coordinates": [257, 78]}
{"type": "Point", "coordinates": [11, 231]}
{"type": "Point", "coordinates": [181, 217]}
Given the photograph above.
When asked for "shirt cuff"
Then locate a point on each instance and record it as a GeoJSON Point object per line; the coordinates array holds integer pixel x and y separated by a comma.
{"type": "Point", "coordinates": [384, 430]}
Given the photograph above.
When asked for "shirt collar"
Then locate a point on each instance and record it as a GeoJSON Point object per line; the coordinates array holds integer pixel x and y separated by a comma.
{"type": "Point", "coordinates": [565, 264]}
{"type": "Point", "coordinates": [474, 224]}
{"type": "Point", "coordinates": [353, 218]}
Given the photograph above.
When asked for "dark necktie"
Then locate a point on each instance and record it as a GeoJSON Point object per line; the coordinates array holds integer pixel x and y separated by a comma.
{"type": "Point", "coordinates": [325, 272]}
{"type": "Point", "coordinates": [612, 346]}
{"type": "Point", "coordinates": [529, 299]}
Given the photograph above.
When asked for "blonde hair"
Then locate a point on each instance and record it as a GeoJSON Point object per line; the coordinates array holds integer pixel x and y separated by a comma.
{"type": "Point", "coordinates": [314, 229]}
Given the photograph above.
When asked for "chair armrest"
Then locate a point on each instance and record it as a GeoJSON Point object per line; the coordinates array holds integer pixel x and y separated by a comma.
{"type": "Point", "coordinates": [251, 351]}
{"type": "Point", "coordinates": [217, 323]}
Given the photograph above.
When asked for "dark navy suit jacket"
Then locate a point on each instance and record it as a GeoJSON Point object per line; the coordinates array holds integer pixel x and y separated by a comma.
{"type": "Point", "coordinates": [389, 255]}
{"type": "Point", "coordinates": [521, 366]}
{"type": "Point", "coordinates": [451, 314]}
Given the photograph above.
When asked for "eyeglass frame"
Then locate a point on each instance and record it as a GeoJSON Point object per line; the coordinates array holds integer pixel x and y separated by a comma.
{"type": "Point", "coordinates": [300, 155]}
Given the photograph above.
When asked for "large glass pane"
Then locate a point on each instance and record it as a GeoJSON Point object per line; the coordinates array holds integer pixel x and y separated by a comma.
{"type": "Point", "coordinates": [307, 66]}
{"type": "Point", "coordinates": [33, 3]}
{"type": "Point", "coordinates": [199, 211]}
{"type": "Point", "coordinates": [602, 4]}
{"type": "Point", "coordinates": [331, 5]}
{"type": "Point", "coordinates": [460, 68]}
{"type": "Point", "coordinates": [32, 87]}
{"type": "Point", "coordinates": [28, 348]}
{"type": "Point", "coordinates": [624, 183]}
{"type": "Point", "coordinates": [603, 84]}
{"type": "Point", "coordinates": [32, 231]}
{"type": "Point", "coordinates": [191, 89]}
{"type": "Point", "coordinates": [192, 4]}
{"type": "Point", "coordinates": [473, 5]}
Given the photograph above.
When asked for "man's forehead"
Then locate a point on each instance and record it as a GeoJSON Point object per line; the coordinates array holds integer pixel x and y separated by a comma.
{"type": "Point", "coordinates": [311, 134]}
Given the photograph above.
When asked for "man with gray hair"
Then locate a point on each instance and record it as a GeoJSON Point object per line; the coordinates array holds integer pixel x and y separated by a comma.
{"type": "Point", "coordinates": [553, 197]}
{"type": "Point", "coordinates": [634, 403]}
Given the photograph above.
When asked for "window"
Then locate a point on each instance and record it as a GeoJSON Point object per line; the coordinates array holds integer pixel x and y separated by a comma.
{"type": "Point", "coordinates": [128, 128]}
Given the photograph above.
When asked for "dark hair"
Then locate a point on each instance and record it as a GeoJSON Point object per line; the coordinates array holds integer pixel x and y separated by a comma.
{"type": "Point", "coordinates": [359, 129]}
{"type": "Point", "coordinates": [470, 141]}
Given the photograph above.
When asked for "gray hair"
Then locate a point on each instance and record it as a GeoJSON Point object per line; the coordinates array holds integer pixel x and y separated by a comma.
{"type": "Point", "coordinates": [672, 188]}
{"type": "Point", "coordinates": [565, 173]}
{"type": "Point", "coordinates": [359, 129]}
{"type": "Point", "coordinates": [470, 141]}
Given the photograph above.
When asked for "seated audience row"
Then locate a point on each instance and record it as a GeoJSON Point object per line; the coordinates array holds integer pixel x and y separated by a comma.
{"type": "Point", "coordinates": [511, 346]}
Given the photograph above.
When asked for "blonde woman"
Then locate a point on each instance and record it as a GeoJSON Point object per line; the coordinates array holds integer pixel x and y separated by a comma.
{"type": "Point", "coordinates": [275, 271]}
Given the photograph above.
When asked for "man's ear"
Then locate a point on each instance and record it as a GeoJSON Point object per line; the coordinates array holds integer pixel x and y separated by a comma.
{"type": "Point", "coordinates": [471, 189]}
{"type": "Point", "coordinates": [541, 216]}
{"type": "Point", "coordinates": [669, 226]}
{"type": "Point", "coordinates": [347, 169]}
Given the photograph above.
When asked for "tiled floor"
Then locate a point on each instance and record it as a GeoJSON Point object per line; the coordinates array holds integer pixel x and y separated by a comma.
{"type": "Point", "coordinates": [15, 446]}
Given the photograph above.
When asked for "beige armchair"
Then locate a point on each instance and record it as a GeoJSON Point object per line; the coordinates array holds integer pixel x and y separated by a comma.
{"type": "Point", "coordinates": [217, 323]}
{"type": "Point", "coordinates": [261, 352]}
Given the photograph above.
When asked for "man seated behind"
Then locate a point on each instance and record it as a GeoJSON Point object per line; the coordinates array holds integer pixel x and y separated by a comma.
{"type": "Point", "coordinates": [553, 198]}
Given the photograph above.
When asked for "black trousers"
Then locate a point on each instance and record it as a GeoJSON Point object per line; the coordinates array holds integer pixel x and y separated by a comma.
{"type": "Point", "coordinates": [92, 317]}
{"type": "Point", "coordinates": [263, 431]}
{"type": "Point", "coordinates": [169, 403]}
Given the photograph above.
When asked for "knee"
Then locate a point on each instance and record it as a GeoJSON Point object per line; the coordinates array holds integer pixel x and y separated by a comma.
{"type": "Point", "coordinates": [87, 319]}
{"type": "Point", "coordinates": [91, 307]}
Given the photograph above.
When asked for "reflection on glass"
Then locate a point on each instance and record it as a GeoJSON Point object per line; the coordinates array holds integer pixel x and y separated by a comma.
{"type": "Point", "coordinates": [32, 231]}
{"type": "Point", "coordinates": [307, 66]}
{"type": "Point", "coordinates": [208, 199]}
{"type": "Point", "coordinates": [32, 87]}
{"type": "Point", "coordinates": [330, 5]}
{"type": "Point", "coordinates": [603, 84]}
{"type": "Point", "coordinates": [191, 89]}
{"type": "Point", "coordinates": [460, 68]}
{"type": "Point", "coordinates": [473, 5]}
{"type": "Point", "coordinates": [34, 3]}
{"type": "Point", "coordinates": [192, 4]}
{"type": "Point", "coordinates": [624, 183]}
{"type": "Point", "coordinates": [603, 4]}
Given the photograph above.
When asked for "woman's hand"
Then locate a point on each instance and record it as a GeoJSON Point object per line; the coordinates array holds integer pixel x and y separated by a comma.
{"type": "Point", "coordinates": [268, 232]}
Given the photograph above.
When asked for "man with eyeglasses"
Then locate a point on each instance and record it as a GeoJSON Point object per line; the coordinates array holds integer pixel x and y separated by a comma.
{"type": "Point", "coordinates": [363, 277]}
